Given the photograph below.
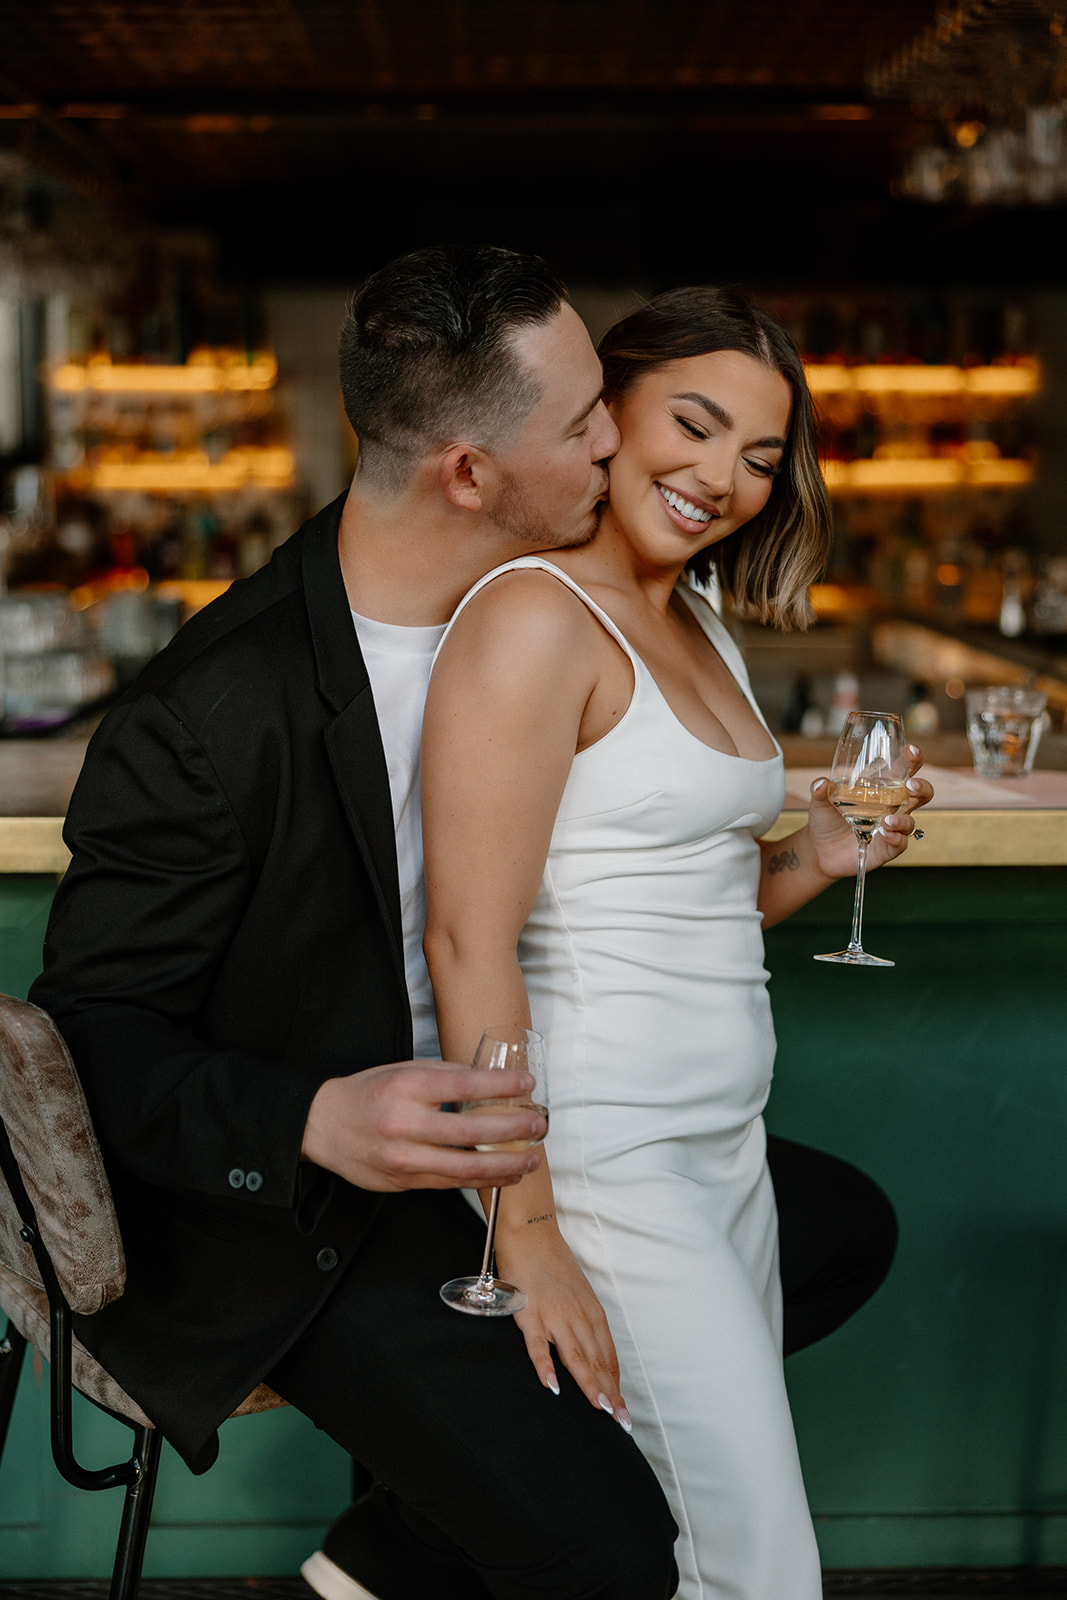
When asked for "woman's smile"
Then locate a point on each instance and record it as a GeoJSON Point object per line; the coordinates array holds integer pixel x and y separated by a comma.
{"type": "Point", "coordinates": [686, 510]}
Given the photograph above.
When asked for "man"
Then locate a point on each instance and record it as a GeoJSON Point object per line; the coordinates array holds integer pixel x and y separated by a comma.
{"type": "Point", "coordinates": [226, 958]}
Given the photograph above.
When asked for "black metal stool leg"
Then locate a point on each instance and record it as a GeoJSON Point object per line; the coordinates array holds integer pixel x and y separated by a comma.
{"type": "Point", "coordinates": [136, 1515]}
{"type": "Point", "coordinates": [12, 1351]}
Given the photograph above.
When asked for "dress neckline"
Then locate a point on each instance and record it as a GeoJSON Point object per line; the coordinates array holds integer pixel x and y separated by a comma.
{"type": "Point", "coordinates": [540, 564]}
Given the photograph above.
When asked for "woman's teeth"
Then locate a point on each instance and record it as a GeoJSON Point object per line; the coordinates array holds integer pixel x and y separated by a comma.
{"type": "Point", "coordinates": [686, 507]}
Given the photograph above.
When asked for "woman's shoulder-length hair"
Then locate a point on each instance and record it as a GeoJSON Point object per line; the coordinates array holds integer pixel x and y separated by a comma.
{"type": "Point", "coordinates": [765, 567]}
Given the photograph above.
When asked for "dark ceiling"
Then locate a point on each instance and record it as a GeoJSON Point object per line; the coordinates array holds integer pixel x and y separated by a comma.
{"type": "Point", "coordinates": [626, 140]}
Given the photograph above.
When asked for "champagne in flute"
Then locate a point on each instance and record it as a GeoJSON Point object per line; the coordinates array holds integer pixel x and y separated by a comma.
{"type": "Point", "coordinates": [868, 781]}
{"type": "Point", "coordinates": [508, 1105]}
{"type": "Point", "coordinates": [864, 804]}
{"type": "Point", "coordinates": [518, 1049]}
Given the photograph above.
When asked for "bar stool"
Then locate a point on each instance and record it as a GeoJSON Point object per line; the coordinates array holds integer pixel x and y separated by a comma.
{"type": "Point", "coordinates": [61, 1251]}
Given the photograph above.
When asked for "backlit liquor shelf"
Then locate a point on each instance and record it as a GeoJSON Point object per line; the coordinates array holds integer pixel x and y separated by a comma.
{"type": "Point", "coordinates": [1017, 381]}
{"type": "Point", "coordinates": [206, 372]}
{"type": "Point", "coordinates": [188, 472]}
{"type": "Point", "coordinates": [199, 428]}
{"type": "Point", "coordinates": [228, 374]}
{"type": "Point", "coordinates": [918, 474]}
{"type": "Point", "coordinates": [911, 394]}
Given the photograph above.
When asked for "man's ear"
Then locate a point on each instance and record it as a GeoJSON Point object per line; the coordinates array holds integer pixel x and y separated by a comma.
{"type": "Point", "coordinates": [463, 475]}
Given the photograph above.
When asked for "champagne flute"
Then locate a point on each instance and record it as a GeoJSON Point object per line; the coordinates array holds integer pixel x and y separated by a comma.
{"type": "Point", "coordinates": [522, 1050]}
{"type": "Point", "coordinates": [868, 780]}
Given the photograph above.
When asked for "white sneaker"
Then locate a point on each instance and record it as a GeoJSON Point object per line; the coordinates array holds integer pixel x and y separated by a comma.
{"type": "Point", "coordinates": [328, 1580]}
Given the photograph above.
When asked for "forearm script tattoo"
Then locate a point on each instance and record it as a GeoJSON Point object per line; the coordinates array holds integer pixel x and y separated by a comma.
{"type": "Point", "coordinates": [788, 861]}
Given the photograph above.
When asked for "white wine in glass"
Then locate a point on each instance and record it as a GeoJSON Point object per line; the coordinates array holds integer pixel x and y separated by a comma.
{"type": "Point", "coordinates": [520, 1050]}
{"type": "Point", "coordinates": [868, 781]}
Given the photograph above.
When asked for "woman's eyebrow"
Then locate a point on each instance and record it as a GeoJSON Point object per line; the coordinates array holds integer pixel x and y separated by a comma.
{"type": "Point", "coordinates": [712, 407]}
{"type": "Point", "coordinates": [724, 419]}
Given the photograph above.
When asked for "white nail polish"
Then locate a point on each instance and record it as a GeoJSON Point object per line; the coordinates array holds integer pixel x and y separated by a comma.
{"type": "Point", "coordinates": [623, 1419]}
{"type": "Point", "coordinates": [552, 1383]}
{"type": "Point", "coordinates": [605, 1404]}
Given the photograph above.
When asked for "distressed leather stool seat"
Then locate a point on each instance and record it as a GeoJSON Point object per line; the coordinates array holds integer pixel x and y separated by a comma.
{"type": "Point", "coordinates": [61, 1251]}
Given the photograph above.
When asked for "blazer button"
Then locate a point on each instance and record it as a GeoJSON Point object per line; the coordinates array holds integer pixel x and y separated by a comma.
{"type": "Point", "coordinates": [326, 1259]}
{"type": "Point", "coordinates": [237, 1178]}
{"type": "Point", "coordinates": [253, 1181]}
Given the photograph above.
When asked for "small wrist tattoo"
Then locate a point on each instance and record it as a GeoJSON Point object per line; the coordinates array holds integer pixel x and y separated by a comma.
{"type": "Point", "coordinates": [788, 861]}
{"type": "Point", "coordinates": [546, 1216]}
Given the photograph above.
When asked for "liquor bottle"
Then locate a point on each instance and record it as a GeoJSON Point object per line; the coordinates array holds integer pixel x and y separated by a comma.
{"type": "Point", "coordinates": [845, 698]}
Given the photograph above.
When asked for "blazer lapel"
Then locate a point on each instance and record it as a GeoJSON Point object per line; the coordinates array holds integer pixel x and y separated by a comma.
{"type": "Point", "coordinates": [353, 738]}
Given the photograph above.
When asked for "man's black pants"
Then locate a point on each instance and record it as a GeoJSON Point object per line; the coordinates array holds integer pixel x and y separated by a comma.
{"type": "Point", "coordinates": [543, 1495]}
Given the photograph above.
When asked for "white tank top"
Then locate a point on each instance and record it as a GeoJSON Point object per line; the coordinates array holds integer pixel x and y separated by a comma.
{"type": "Point", "coordinates": [398, 662]}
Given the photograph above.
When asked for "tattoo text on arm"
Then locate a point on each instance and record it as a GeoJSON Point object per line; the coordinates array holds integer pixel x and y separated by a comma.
{"type": "Point", "coordinates": [546, 1216]}
{"type": "Point", "coordinates": [787, 861]}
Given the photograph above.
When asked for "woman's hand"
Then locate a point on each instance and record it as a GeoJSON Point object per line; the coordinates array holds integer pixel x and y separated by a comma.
{"type": "Point", "coordinates": [563, 1311]}
{"type": "Point", "coordinates": [834, 842]}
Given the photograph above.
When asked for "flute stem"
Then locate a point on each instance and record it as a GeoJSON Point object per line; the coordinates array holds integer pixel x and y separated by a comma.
{"type": "Point", "coordinates": [857, 905]}
{"type": "Point", "coordinates": [485, 1277]}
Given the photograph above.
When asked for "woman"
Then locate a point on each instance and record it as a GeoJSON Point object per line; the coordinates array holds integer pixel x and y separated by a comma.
{"type": "Point", "coordinates": [596, 778]}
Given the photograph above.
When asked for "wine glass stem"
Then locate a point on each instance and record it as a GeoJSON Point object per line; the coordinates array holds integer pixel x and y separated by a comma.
{"type": "Point", "coordinates": [485, 1277]}
{"type": "Point", "coordinates": [857, 905]}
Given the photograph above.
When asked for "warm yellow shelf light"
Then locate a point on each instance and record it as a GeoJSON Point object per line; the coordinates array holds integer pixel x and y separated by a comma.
{"type": "Point", "coordinates": [921, 473]}
{"type": "Point", "coordinates": [194, 593]}
{"type": "Point", "coordinates": [835, 378]}
{"type": "Point", "coordinates": [202, 375]}
{"type": "Point", "coordinates": [192, 472]}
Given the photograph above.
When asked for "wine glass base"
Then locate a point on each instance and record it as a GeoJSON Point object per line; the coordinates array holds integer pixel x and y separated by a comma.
{"type": "Point", "coordinates": [498, 1300]}
{"type": "Point", "coordinates": [855, 958]}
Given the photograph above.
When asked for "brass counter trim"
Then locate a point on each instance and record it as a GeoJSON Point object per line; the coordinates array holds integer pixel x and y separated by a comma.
{"type": "Point", "coordinates": [1022, 838]}
{"type": "Point", "coordinates": [33, 844]}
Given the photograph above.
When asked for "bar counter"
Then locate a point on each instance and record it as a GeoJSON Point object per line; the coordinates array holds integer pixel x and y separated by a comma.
{"type": "Point", "coordinates": [933, 1427]}
{"type": "Point", "coordinates": [972, 821]}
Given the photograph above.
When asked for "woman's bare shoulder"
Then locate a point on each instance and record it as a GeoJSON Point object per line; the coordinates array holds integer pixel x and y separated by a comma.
{"type": "Point", "coordinates": [525, 609]}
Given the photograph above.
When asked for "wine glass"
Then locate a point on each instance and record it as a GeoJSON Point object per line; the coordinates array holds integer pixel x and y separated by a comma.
{"type": "Point", "coordinates": [868, 780]}
{"type": "Point", "coordinates": [521, 1050]}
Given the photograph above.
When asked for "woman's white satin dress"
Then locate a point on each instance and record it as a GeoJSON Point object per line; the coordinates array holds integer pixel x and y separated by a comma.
{"type": "Point", "coordinates": [643, 959]}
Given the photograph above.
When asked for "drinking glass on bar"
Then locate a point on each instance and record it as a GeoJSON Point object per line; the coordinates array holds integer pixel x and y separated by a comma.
{"type": "Point", "coordinates": [1004, 729]}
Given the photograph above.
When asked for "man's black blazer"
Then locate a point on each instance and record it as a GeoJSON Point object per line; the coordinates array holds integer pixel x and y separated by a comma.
{"type": "Point", "coordinates": [227, 937]}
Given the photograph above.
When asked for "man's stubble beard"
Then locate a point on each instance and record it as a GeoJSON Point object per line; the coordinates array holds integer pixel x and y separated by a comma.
{"type": "Point", "coordinates": [532, 531]}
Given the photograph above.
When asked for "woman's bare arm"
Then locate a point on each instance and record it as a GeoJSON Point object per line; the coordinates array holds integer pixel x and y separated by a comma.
{"type": "Point", "coordinates": [503, 720]}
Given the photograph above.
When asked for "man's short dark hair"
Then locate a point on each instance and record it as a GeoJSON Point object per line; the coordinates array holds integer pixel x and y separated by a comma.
{"type": "Point", "coordinates": [426, 355]}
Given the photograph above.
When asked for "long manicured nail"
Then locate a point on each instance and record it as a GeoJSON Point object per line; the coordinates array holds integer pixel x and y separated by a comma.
{"type": "Point", "coordinates": [622, 1417]}
{"type": "Point", "coordinates": [605, 1404]}
{"type": "Point", "coordinates": [552, 1382]}
{"type": "Point", "coordinates": [914, 784]}
{"type": "Point", "coordinates": [913, 750]}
